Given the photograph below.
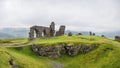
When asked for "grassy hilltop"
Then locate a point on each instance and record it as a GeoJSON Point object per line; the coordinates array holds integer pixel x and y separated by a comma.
{"type": "Point", "coordinates": [107, 55]}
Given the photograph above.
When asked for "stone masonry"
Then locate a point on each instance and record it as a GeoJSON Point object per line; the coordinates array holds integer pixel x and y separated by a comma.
{"type": "Point", "coordinates": [42, 31]}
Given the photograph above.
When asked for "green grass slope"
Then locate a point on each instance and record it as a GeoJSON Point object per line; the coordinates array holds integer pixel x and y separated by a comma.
{"type": "Point", "coordinates": [107, 55]}
{"type": "Point", "coordinates": [4, 58]}
{"type": "Point", "coordinates": [24, 57]}
{"type": "Point", "coordinates": [71, 39]}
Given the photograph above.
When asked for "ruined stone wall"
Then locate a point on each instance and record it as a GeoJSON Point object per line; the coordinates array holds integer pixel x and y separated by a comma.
{"type": "Point", "coordinates": [58, 50]}
{"type": "Point", "coordinates": [47, 31]}
{"type": "Point", "coordinates": [31, 34]}
{"type": "Point", "coordinates": [61, 31]}
{"type": "Point", "coordinates": [39, 30]}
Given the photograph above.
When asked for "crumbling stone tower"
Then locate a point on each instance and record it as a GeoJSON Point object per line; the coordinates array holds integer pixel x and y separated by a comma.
{"type": "Point", "coordinates": [52, 29]}
{"type": "Point", "coordinates": [61, 31]}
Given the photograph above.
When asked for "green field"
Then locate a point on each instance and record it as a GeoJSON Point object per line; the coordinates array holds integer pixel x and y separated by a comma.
{"type": "Point", "coordinates": [107, 55]}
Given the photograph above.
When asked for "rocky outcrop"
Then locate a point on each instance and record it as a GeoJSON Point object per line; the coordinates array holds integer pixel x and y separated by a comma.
{"type": "Point", "coordinates": [11, 61]}
{"type": "Point", "coordinates": [102, 35]}
{"type": "Point", "coordinates": [79, 34]}
{"type": "Point", "coordinates": [62, 49]}
{"type": "Point", "coordinates": [117, 38]}
{"type": "Point", "coordinates": [69, 34]}
{"type": "Point", "coordinates": [13, 64]}
{"type": "Point", "coordinates": [91, 34]}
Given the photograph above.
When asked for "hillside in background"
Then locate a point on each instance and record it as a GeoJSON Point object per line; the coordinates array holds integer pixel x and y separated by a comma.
{"type": "Point", "coordinates": [110, 34]}
{"type": "Point", "coordinates": [6, 35]}
{"type": "Point", "coordinates": [23, 32]}
{"type": "Point", "coordinates": [14, 32]}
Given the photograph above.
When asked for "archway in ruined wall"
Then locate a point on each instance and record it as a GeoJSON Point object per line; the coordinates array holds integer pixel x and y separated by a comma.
{"type": "Point", "coordinates": [42, 31]}
{"type": "Point", "coordinates": [34, 33]}
{"type": "Point", "coordinates": [39, 32]}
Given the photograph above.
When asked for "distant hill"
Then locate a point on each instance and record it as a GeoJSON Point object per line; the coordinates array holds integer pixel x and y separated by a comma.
{"type": "Point", "coordinates": [23, 32]}
{"type": "Point", "coordinates": [5, 35]}
{"type": "Point", "coordinates": [111, 34]}
{"type": "Point", "coordinates": [76, 32]}
{"type": "Point", "coordinates": [13, 32]}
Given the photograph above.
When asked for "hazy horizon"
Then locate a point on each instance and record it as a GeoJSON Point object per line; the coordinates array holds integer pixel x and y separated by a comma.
{"type": "Point", "coordinates": [77, 15]}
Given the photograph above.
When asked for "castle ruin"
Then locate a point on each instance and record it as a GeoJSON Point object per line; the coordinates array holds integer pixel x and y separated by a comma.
{"type": "Point", "coordinates": [42, 31]}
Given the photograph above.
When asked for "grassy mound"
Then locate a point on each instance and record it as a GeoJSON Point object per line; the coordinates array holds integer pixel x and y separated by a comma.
{"type": "Point", "coordinates": [76, 39]}
{"type": "Point", "coordinates": [107, 55]}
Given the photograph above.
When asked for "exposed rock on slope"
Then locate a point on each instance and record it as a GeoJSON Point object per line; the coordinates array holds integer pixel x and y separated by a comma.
{"type": "Point", "coordinates": [8, 59]}
{"type": "Point", "coordinates": [61, 49]}
{"type": "Point", "coordinates": [13, 63]}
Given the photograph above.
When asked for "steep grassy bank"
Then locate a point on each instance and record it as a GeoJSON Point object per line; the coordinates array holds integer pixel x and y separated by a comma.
{"type": "Point", "coordinates": [24, 58]}
{"type": "Point", "coordinates": [106, 56]}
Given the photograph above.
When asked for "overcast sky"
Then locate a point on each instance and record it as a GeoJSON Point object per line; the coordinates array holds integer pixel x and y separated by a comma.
{"type": "Point", "coordinates": [78, 15]}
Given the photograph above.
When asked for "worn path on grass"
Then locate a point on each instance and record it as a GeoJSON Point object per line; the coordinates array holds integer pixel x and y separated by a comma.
{"type": "Point", "coordinates": [16, 44]}
{"type": "Point", "coordinates": [56, 64]}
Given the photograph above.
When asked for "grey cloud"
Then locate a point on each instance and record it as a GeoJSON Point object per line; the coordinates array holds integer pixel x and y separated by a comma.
{"type": "Point", "coordinates": [94, 15]}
